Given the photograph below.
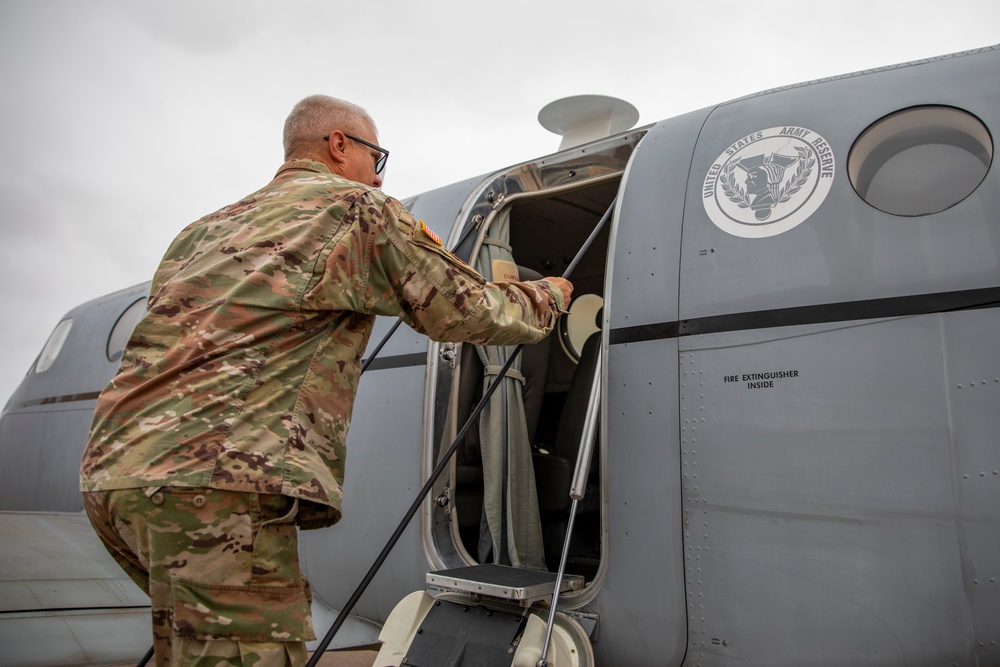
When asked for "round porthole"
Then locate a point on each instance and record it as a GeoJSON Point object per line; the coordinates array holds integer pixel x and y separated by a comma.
{"type": "Point", "coordinates": [920, 160]}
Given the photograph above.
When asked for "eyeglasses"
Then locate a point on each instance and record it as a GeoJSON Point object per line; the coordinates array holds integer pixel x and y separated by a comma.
{"type": "Point", "coordinates": [380, 162]}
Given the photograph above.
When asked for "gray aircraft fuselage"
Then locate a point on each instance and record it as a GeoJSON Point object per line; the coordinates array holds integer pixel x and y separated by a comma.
{"type": "Point", "coordinates": [799, 444]}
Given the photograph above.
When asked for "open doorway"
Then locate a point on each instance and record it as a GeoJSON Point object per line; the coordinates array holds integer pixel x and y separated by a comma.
{"type": "Point", "coordinates": [545, 233]}
{"type": "Point", "coordinates": [549, 208]}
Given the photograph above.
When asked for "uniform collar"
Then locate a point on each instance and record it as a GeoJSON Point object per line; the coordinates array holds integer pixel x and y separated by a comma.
{"type": "Point", "coordinates": [303, 165]}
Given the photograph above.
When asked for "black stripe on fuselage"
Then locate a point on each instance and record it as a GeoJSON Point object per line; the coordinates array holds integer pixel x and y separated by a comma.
{"type": "Point", "coordinates": [64, 610]}
{"type": "Point", "coordinates": [66, 398]}
{"type": "Point", "coordinates": [399, 361]}
{"type": "Point", "coordinates": [900, 306]}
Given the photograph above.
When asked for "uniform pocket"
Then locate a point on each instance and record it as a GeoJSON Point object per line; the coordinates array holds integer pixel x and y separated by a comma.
{"type": "Point", "coordinates": [241, 613]}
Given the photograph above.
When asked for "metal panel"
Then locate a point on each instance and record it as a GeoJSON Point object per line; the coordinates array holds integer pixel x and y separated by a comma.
{"type": "Point", "coordinates": [641, 600]}
{"type": "Point", "coordinates": [646, 235]}
{"type": "Point", "coordinates": [818, 498]}
{"type": "Point", "coordinates": [641, 596]}
{"type": "Point", "coordinates": [972, 367]}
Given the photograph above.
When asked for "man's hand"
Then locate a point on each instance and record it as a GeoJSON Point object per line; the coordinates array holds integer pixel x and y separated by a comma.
{"type": "Point", "coordinates": [564, 286]}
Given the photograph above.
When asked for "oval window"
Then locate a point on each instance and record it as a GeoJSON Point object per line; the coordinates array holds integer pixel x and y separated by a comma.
{"type": "Point", "coordinates": [920, 160]}
{"type": "Point", "coordinates": [122, 330]}
{"type": "Point", "coordinates": [53, 346]}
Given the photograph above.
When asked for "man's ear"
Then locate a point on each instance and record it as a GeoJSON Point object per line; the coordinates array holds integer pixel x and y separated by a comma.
{"type": "Point", "coordinates": [336, 146]}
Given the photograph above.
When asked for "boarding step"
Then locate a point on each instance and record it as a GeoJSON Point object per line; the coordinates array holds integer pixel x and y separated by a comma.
{"type": "Point", "coordinates": [503, 582]}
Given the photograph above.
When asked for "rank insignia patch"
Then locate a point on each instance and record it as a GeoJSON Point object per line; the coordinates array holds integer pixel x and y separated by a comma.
{"type": "Point", "coordinates": [427, 230]}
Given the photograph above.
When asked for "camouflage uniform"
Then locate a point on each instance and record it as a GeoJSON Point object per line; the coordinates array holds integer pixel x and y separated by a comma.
{"type": "Point", "coordinates": [242, 375]}
{"type": "Point", "coordinates": [217, 565]}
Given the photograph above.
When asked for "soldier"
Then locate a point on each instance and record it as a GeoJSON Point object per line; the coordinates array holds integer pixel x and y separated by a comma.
{"type": "Point", "coordinates": [225, 427]}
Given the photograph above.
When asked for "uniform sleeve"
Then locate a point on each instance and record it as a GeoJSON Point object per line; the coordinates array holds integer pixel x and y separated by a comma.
{"type": "Point", "coordinates": [414, 277]}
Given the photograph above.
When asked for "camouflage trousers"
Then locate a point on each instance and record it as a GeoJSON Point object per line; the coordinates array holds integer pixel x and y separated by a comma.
{"type": "Point", "coordinates": [221, 569]}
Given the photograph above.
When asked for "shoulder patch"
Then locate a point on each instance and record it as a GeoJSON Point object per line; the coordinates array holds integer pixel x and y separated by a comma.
{"type": "Point", "coordinates": [430, 233]}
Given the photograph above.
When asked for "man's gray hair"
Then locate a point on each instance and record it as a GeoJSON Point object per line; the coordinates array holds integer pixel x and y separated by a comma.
{"type": "Point", "coordinates": [318, 115]}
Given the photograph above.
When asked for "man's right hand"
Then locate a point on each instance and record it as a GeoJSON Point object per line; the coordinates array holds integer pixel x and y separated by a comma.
{"type": "Point", "coordinates": [564, 286]}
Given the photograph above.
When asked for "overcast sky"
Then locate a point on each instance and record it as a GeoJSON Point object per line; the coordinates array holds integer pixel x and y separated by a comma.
{"type": "Point", "coordinates": [124, 120]}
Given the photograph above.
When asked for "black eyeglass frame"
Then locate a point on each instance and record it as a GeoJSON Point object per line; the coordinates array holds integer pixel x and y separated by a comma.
{"type": "Point", "coordinates": [380, 163]}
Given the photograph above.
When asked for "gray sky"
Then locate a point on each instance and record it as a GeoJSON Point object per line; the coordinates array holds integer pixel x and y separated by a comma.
{"type": "Point", "coordinates": [124, 120]}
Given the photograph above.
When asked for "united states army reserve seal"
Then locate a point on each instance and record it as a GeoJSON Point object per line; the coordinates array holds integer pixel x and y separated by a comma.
{"type": "Point", "coordinates": [769, 181]}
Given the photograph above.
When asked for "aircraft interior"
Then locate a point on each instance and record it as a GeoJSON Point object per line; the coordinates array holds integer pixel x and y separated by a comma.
{"type": "Point", "coordinates": [545, 234]}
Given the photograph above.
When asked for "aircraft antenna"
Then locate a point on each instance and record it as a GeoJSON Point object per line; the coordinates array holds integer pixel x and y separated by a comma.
{"type": "Point", "coordinates": [584, 118]}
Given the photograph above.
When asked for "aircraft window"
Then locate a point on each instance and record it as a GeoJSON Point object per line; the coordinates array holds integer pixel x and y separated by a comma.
{"type": "Point", "coordinates": [122, 330]}
{"type": "Point", "coordinates": [920, 160]}
{"type": "Point", "coordinates": [53, 346]}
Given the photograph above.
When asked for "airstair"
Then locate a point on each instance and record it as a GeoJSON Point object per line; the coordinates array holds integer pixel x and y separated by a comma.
{"type": "Point", "coordinates": [485, 616]}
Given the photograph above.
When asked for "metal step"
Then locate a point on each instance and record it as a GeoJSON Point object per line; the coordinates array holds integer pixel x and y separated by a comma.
{"type": "Point", "coordinates": [502, 582]}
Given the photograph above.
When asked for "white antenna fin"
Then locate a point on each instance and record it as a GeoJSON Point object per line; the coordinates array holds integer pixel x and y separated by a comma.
{"type": "Point", "coordinates": [585, 118]}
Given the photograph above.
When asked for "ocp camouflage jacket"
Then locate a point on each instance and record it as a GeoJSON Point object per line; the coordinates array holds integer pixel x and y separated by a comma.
{"type": "Point", "coordinates": [243, 372]}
